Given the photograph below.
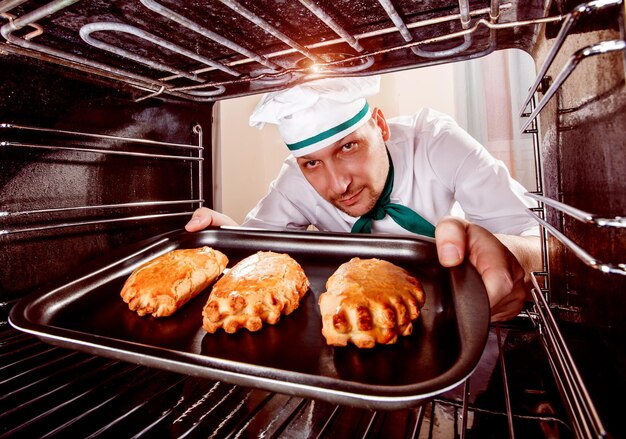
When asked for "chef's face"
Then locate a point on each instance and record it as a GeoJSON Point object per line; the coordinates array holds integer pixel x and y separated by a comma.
{"type": "Point", "coordinates": [351, 173]}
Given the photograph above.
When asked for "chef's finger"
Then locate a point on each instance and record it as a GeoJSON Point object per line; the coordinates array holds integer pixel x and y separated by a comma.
{"type": "Point", "coordinates": [450, 239]}
{"type": "Point", "coordinates": [506, 309]}
{"type": "Point", "coordinates": [498, 284]}
{"type": "Point", "coordinates": [204, 217]}
{"type": "Point", "coordinates": [201, 219]}
{"type": "Point", "coordinates": [500, 271]}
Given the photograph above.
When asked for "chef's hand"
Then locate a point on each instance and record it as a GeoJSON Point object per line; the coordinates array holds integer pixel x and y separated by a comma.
{"type": "Point", "coordinates": [500, 270]}
{"type": "Point", "coordinates": [204, 217]}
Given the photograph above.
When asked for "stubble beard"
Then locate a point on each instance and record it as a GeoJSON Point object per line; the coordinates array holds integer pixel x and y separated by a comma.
{"type": "Point", "coordinates": [363, 206]}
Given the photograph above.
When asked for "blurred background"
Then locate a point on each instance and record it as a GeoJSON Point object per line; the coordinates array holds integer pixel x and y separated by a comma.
{"type": "Point", "coordinates": [483, 95]}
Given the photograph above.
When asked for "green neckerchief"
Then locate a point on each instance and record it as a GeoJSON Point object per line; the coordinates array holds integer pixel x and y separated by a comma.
{"type": "Point", "coordinates": [405, 217]}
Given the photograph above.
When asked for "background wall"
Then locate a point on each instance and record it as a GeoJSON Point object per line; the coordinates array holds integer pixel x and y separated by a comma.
{"type": "Point", "coordinates": [476, 93]}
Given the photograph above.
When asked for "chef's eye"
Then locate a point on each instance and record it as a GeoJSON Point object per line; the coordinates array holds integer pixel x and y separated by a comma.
{"type": "Point", "coordinates": [310, 164]}
{"type": "Point", "coordinates": [348, 147]}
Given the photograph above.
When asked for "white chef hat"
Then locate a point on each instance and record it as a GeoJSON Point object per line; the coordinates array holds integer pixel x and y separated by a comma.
{"type": "Point", "coordinates": [313, 115]}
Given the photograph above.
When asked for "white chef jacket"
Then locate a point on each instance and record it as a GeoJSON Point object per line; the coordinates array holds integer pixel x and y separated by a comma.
{"type": "Point", "coordinates": [435, 164]}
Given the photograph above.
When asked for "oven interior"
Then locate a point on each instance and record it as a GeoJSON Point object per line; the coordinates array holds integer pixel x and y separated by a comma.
{"type": "Point", "coordinates": [107, 136]}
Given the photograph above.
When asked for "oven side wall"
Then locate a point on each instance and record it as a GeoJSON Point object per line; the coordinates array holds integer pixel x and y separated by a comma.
{"type": "Point", "coordinates": [583, 155]}
{"type": "Point", "coordinates": [582, 142]}
{"type": "Point", "coordinates": [32, 179]}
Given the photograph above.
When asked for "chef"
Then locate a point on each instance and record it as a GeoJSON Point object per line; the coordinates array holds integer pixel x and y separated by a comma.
{"type": "Point", "coordinates": [351, 170]}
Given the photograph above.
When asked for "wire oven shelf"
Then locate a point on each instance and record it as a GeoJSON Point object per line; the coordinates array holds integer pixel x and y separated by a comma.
{"type": "Point", "coordinates": [181, 152]}
{"type": "Point", "coordinates": [583, 414]}
{"type": "Point", "coordinates": [568, 25]}
{"type": "Point", "coordinates": [604, 47]}
{"type": "Point", "coordinates": [145, 402]}
{"type": "Point", "coordinates": [585, 419]}
{"type": "Point", "coordinates": [616, 222]}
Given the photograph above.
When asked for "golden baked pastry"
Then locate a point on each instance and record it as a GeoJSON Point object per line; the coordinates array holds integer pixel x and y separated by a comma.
{"type": "Point", "coordinates": [369, 301]}
{"type": "Point", "coordinates": [164, 284]}
{"type": "Point", "coordinates": [260, 288]}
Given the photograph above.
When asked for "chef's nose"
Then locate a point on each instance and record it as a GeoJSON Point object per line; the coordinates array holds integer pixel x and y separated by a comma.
{"type": "Point", "coordinates": [338, 180]}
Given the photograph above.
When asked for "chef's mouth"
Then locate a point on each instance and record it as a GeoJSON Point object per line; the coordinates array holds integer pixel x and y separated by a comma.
{"type": "Point", "coordinates": [351, 199]}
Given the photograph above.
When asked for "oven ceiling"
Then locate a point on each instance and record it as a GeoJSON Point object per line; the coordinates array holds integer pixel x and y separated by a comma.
{"type": "Point", "coordinates": [216, 49]}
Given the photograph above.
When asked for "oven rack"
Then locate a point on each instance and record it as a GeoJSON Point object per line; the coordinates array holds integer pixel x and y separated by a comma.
{"type": "Point", "coordinates": [617, 222]}
{"type": "Point", "coordinates": [600, 48]}
{"type": "Point", "coordinates": [568, 25]}
{"type": "Point", "coordinates": [147, 402]}
{"type": "Point", "coordinates": [182, 152]}
{"type": "Point", "coordinates": [584, 416]}
{"type": "Point", "coordinates": [529, 126]}
{"type": "Point", "coordinates": [271, 72]}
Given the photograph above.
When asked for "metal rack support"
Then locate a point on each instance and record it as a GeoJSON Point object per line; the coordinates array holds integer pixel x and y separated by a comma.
{"type": "Point", "coordinates": [199, 200]}
{"type": "Point", "coordinates": [585, 418]}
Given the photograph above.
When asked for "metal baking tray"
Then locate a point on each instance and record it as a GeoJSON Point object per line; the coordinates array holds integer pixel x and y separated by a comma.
{"type": "Point", "coordinates": [291, 357]}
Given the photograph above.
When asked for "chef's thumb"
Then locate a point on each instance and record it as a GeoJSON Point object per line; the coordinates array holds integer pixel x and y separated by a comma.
{"type": "Point", "coordinates": [451, 239]}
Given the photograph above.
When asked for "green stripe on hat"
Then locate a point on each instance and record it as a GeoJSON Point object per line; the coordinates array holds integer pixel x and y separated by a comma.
{"type": "Point", "coordinates": [331, 131]}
